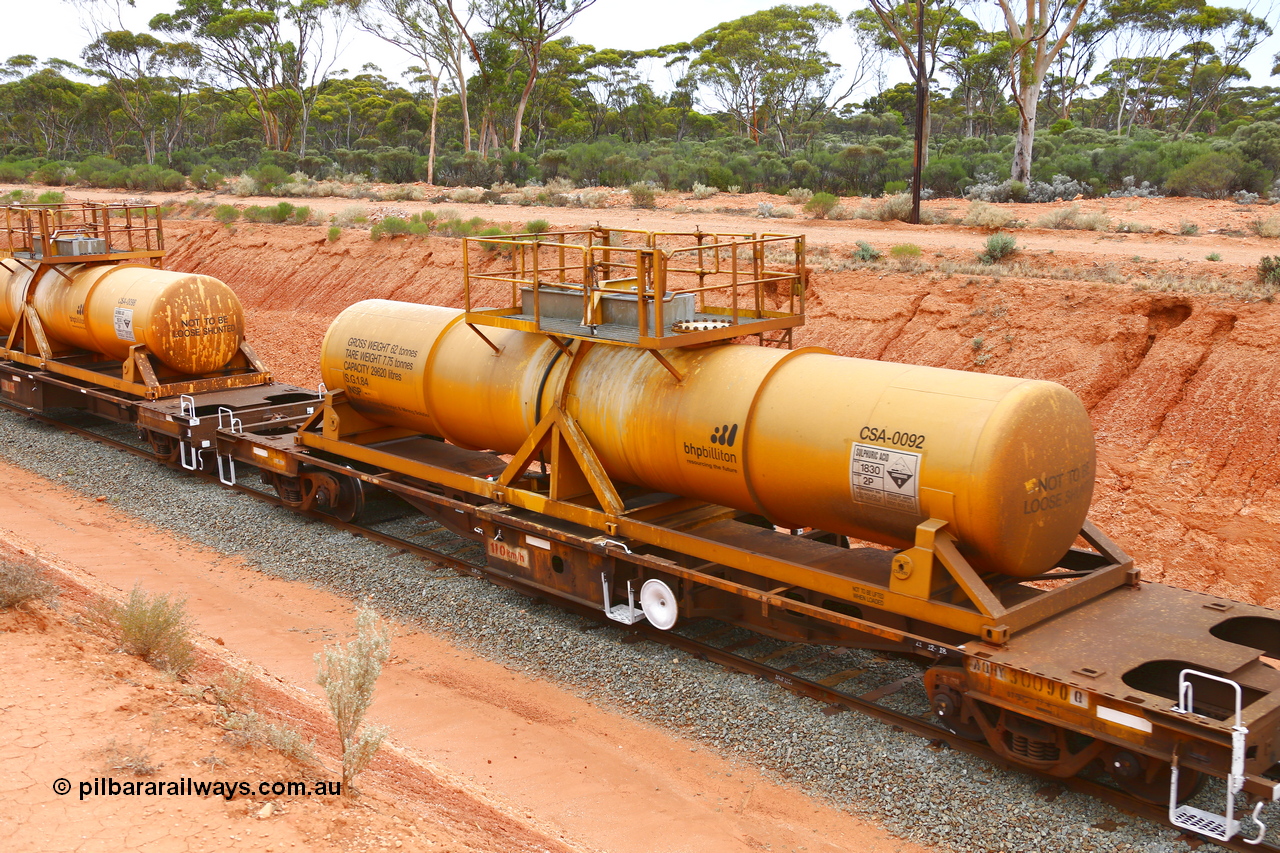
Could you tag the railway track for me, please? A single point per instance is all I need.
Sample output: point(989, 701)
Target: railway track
point(878, 685)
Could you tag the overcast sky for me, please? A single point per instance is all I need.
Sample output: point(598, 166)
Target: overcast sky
point(625, 24)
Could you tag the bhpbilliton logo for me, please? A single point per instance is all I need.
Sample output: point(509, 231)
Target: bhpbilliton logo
point(724, 436)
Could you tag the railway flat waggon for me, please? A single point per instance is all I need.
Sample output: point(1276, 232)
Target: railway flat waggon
point(620, 419)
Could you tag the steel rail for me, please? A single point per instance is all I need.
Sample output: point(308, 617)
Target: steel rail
point(836, 700)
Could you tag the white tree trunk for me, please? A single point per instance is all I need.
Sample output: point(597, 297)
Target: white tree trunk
point(1028, 102)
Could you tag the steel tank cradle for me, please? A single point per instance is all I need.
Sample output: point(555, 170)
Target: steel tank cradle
point(806, 438)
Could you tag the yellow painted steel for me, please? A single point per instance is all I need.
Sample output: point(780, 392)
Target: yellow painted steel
point(806, 438)
point(193, 323)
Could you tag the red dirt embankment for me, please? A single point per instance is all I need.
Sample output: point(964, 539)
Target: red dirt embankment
point(1182, 388)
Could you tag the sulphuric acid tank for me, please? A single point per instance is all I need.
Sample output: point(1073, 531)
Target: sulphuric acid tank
point(806, 438)
point(193, 323)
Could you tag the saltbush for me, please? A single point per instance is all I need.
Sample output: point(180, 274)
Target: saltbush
point(999, 246)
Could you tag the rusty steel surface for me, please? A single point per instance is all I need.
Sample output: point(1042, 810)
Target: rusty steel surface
point(805, 438)
point(192, 323)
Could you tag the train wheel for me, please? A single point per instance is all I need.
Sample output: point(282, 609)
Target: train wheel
point(948, 712)
point(332, 494)
point(1148, 778)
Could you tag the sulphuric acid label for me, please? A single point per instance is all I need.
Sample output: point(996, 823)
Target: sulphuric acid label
point(887, 478)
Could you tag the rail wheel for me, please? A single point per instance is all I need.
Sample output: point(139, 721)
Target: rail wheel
point(948, 712)
point(332, 494)
point(1148, 778)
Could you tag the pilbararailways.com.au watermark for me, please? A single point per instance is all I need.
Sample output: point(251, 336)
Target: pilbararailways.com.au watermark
point(105, 786)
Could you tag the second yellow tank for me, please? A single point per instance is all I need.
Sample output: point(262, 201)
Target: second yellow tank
point(806, 438)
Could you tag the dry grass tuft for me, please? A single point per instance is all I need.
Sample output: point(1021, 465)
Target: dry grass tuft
point(1070, 218)
point(22, 581)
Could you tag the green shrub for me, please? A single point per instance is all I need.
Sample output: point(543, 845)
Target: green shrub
point(150, 179)
point(334, 233)
point(206, 177)
point(1216, 174)
point(1188, 229)
point(1269, 270)
point(391, 226)
point(455, 227)
point(821, 205)
point(301, 215)
point(16, 173)
point(643, 196)
point(269, 177)
point(866, 252)
point(226, 213)
point(493, 246)
point(51, 197)
point(275, 214)
point(999, 246)
point(1213, 256)
point(537, 226)
point(155, 628)
point(895, 187)
point(905, 252)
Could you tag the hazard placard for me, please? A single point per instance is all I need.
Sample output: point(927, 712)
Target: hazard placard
point(884, 477)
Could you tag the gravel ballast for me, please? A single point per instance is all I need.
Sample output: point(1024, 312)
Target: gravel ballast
point(930, 795)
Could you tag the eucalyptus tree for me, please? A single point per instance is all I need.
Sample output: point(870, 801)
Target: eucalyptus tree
point(428, 31)
point(768, 71)
point(281, 51)
point(1221, 38)
point(892, 26)
point(153, 81)
point(1038, 31)
point(529, 25)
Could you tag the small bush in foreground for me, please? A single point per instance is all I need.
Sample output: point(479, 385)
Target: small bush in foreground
point(643, 196)
point(821, 205)
point(334, 233)
point(350, 217)
point(348, 675)
point(226, 213)
point(800, 195)
point(21, 582)
point(537, 226)
point(155, 628)
point(250, 727)
point(51, 197)
point(905, 252)
point(867, 252)
point(999, 246)
point(391, 226)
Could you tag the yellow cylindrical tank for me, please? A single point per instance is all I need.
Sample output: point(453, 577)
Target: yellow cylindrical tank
point(191, 322)
point(806, 438)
